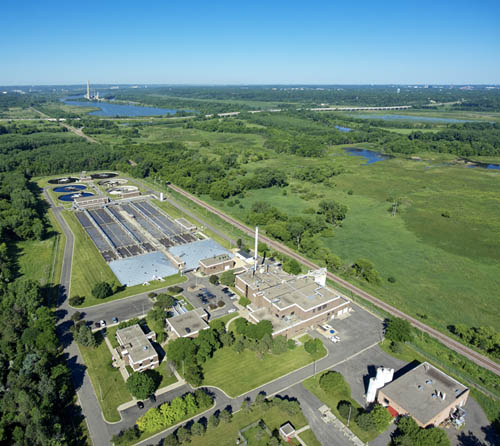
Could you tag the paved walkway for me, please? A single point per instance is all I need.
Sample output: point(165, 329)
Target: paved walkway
point(119, 361)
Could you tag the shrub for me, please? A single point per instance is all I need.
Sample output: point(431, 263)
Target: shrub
point(102, 290)
point(365, 421)
point(395, 347)
point(344, 407)
point(152, 295)
point(220, 304)
point(391, 279)
point(175, 289)
point(291, 344)
point(312, 346)
point(398, 330)
point(214, 279)
point(75, 301)
point(333, 382)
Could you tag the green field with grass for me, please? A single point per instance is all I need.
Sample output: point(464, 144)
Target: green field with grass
point(249, 372)
point(436, 261)
point(107, 381)
point(225, 434)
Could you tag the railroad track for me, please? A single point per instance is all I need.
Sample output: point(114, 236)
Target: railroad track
point(474, 356)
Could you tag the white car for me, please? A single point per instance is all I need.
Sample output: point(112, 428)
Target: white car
point(103, 324)
point(328, 327)
point(334, 339)
point(232, 310)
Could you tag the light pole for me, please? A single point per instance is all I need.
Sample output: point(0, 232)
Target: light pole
point(349, 417)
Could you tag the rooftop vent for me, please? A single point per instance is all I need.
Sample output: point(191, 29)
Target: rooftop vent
point(145, 347)
point(420, 387)
point(428, 381)
point(434, 396)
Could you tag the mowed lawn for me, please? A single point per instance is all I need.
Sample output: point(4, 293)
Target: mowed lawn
point(89, 268)
point(238, 373)
point(107, 381)
point(226, 433)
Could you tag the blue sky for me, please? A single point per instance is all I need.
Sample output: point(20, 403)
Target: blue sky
point(236, 42)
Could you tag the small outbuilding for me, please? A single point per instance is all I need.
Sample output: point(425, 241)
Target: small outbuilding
point(287, 431)
point(216, 264)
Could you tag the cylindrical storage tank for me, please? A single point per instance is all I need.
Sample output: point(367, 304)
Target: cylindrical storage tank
point(372, 391)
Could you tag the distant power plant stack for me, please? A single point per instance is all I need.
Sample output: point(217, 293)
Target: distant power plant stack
point(89, 96)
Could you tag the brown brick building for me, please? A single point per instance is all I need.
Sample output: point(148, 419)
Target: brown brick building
point(216, 264)
point(425, 393)
point(136, 348)
point(292, 303)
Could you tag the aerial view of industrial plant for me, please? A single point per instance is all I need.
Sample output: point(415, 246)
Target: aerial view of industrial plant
point(250, 223)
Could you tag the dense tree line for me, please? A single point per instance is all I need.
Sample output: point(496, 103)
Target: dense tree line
point(213, 99)
point(20, 217)
point(486, 339)
point(36, 393)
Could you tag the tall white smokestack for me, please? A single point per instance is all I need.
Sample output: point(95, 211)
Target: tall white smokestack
point(256, 247)
point(88, 90)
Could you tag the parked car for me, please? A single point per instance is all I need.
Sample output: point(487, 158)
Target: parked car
point(102, 323)
point(115, 320)
point(328, 327)
point(231, 310)
point(334, 339)
point(140, 404)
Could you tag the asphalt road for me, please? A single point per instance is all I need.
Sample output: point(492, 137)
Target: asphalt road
point(140, 304)
point(91, 409)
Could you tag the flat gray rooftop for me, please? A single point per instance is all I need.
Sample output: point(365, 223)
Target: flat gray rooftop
point(143, 268)
point(416, 391)
point(192, 253)
point(188, 323)
point(215, 260)
point(284, 289)
point(136, 343)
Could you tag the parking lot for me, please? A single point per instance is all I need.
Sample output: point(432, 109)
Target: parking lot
point(202, 294)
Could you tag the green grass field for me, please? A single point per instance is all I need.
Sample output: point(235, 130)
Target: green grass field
point(249, 372)
point(107, 381)
point(436, 261)
point(309, 438)
point(226, 433)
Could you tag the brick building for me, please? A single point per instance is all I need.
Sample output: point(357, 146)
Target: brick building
point(216, 264)
point(292, 303)
point(425, 393)
point(136, 349)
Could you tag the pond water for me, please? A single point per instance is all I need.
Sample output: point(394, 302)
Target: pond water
point(71, 197)
point(112, 110)
point(343, 129)
point(370, 156)
point(485, 166)
point(408, 118)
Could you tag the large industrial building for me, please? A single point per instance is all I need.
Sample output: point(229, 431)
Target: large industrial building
point(293, 304)
point(425, 393)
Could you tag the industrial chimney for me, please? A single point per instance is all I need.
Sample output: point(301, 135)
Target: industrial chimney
point(256, 248)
